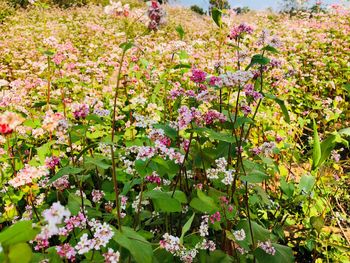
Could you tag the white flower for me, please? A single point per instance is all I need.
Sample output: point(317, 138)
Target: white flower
point(103, 233)
point(111, 256)
point(204, 227)
point(55, 216)
point(267, 247)
point(239, 235)
point(3, 82)
point(84, 245)
point(228, 179)
point(170, 243)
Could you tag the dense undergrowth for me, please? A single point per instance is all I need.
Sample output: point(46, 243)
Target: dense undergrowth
point(152, 134)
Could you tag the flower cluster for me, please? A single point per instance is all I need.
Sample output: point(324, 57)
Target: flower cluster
point(239, 235)
point(267, 247)
point(9, 121)
point(111, 257)
point(198, 76)
point(156, 14)
point(237, 32)
point(28, 175)
point(80, 111)
point(52, 162)
point(117, 9)
point(154, 178)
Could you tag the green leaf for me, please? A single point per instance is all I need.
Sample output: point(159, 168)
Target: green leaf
point(180, 31)
point(180, 196)
point(74, 203)
point(138, 246)
point(20, 232)
point(260, 233)
point(213, 135)
point(95, 118)
point(254, 177)
point(93, 145)
point(316, 152)
point(179, 66)
point(20, 252)
point(329, 144)
point(203, 203)
point(218, 256)
point(186, 227)
point(164, 202)
point(306, 183)
point(169, 131)
point(281, 104)
point(284, 109)
point(98, 162)
point(287, 188)
point(242, 120)
point(44, 151)
point(347, 88)
point(317, 222)
point(258, 60)
point(142, 168)
point(283, 254)
point(270, 49)
point(126, 46)
point(68, 170)
point(53, 256)
point(345, 131)
point(216, 14)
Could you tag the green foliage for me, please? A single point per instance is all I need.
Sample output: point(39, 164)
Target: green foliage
point(139, 247)
point(197, 9)
point(5, 11)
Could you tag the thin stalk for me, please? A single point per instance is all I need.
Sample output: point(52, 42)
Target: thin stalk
point(114, 175)
point(48, 83)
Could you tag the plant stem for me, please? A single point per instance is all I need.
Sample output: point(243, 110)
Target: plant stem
point(114, 175)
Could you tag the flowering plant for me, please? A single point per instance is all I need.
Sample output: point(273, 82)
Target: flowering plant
point(124, 138)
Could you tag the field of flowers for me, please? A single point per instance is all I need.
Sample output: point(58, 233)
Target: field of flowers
point(146, 133)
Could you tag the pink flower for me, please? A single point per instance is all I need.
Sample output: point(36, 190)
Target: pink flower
point(216, 217)
point(52, 162)
point(66, 251)
point(154, 178)
point(80, 111)
point(246, 110)
point(198, 75)
point(215, 81)
point(9, 121)
point(156, 14)
point(97, 195)
point(111, 256)
point(267, 247)
point(238, 31)
point(212, 116)
point(170, 243)
point(28, 175)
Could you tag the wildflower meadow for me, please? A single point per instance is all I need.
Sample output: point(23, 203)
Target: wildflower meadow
point(141, 132)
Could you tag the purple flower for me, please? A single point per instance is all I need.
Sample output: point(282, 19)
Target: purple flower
point(215, 81)
point(176, 92)
point(198, 75)
point(238, 31)
point(212, 116)
point(256, 150)
point(156, 14)
point(52, 162)
point(246, 110)
point(154, 178)
point(275, 63)
point(80, 111)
